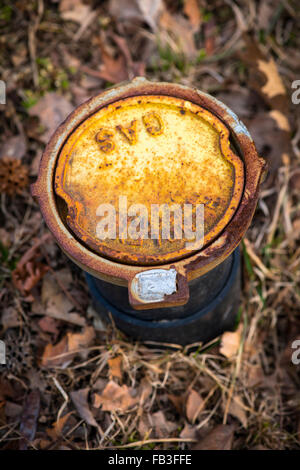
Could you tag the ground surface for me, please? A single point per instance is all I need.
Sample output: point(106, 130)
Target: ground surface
point(70, 385)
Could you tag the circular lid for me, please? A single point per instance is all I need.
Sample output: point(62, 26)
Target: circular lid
point(143, 160)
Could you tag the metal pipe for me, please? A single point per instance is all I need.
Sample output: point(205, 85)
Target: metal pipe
point(136, 148)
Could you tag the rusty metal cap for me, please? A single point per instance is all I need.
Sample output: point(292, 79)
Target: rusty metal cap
point(147, 145)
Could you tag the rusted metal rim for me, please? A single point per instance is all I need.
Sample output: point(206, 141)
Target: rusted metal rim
point(84, 170)
point(190, 267)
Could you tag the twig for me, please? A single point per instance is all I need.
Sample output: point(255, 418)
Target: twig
point(65, 396)
point(152, 441)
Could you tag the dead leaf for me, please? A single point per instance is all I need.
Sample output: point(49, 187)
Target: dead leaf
point(192, 11)
point(162, 427)
point(81, 340)
point(271, 140)
point(10, 318)
point(243, 101)
point(29, 271)
point(133, 68)
point(74, 10)
point(5, 238)
point(50, 352)
point(155, 425)
point(265, 14)
point(210, 33)
point(230, 342)
point(144, 428)
point(68, 344)
point(254, 375)
point(57, 428)
point(144, 391)
point(178, 401)
point(237, 409)
point(117, 68)
point(176, 32)
point(49, 325)
point(12, 410)
point(115, 365)
point(112, 69)
point(274, 84)
point(188, 432)
point(134, 11)
point(14, 147)
point(115, 398)
point(55, 303)
point(281, 120)
point(194, 405)
point(80, 400)
point(52, 109)
point(219, 438)
point(264, 77)
point(150, 10)
point(29, 417)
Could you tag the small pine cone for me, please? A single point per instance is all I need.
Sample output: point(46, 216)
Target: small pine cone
point(13, 176)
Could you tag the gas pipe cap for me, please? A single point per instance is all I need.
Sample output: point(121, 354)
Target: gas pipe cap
point(129, 170)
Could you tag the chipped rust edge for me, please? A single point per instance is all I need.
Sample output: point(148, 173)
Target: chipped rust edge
point(193, 266)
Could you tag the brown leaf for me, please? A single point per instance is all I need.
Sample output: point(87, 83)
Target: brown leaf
point(219, 438)
point(237, 409)
point(162, 427)
point(188, 432)
point(230, 342)
point(254, 375)
point(29, 417)
point(69, 343)
point(12, 410)
point(5, 238)
point(210, 33)
point(178, 401)
point(179, 29)
point(29, 271)
point(10, 318)
point(56, 430)
point(115, 365)
point(192, 11)
point(135, 11)
point(150, 10)
point(194, 405)
point(264, 77)
point(52, 110)
point(112, 69)
point(14, 147)
point(115, 398)
point(155, 425)
point(74, 10)
point(50, 352)
point(265, 14)
point(81, 340)
point(49, 325)
point(274, 84)
point(55, 302)
point(272, 139)
point(80, 400)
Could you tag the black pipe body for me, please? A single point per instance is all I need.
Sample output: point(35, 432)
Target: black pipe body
point(212, 308)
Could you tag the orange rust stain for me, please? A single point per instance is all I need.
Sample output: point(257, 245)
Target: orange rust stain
point(152, 150)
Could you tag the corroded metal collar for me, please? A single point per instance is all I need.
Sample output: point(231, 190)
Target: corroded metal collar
point(154, 143)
